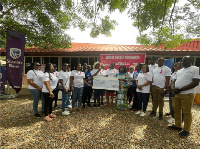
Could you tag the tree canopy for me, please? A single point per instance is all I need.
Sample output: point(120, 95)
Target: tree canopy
point(44, 22)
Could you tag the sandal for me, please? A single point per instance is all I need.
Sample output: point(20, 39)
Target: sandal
point(73, 110)
point(52, 115)
point(47, 118)
point(112, 104)
point(79, 109)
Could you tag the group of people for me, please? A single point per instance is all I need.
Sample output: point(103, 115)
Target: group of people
point(154, 79)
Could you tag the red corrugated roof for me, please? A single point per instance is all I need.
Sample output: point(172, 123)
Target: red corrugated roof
point(90, 47)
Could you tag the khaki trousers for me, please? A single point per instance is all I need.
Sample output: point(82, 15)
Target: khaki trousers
point(157, 98)
point(183, 101)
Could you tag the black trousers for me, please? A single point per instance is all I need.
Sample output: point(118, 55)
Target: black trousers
point(135, 100)
point(56, 95)
point(129, 94)
point(47, 104)
point(86, 95)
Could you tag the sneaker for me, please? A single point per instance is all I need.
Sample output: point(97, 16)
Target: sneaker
point(138, 112)
point(174, 127)
point(183, 133)
point(47, 118)
point(160, 117)
point(152, 114)
point(37, 115)
point(98, 106)
point(69, 106)
point(171, 120)
point(66, 113)
point(143, 114)
point(52, 115)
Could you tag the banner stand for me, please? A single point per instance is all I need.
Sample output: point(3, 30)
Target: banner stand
point(8, 94)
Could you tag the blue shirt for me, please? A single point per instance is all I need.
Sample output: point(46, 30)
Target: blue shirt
point(88, 75)
point(135, 74)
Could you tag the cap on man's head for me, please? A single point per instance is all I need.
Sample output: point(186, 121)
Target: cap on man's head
point(154, 58)
point(54, 65)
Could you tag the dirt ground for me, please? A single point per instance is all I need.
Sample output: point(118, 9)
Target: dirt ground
point(92, 128)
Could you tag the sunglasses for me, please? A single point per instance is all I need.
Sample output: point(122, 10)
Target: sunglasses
point(37, 65)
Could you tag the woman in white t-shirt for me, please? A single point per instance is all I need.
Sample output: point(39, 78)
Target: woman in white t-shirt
point(48, 89)
point(77, 80)
point(143, 82)
point(97, 71)
point(35, 81)
point(111, 72)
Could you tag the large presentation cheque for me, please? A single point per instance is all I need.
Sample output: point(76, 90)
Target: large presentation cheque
point(107, 83)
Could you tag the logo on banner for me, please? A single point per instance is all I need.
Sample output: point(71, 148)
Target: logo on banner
point(15, 53)
point(0, 75)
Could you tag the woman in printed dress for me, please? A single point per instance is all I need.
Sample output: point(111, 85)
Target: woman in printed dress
point(123, 77)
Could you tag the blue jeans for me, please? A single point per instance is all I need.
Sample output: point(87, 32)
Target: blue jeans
point(97, 93)
point(170, 105)
point(77, 95)
point(36, 95)
point(142, 99)
point(65, 100)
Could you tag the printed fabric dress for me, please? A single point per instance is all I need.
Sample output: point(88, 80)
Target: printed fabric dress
point(122, 102)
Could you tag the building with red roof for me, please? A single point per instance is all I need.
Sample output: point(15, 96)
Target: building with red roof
point(89, 53)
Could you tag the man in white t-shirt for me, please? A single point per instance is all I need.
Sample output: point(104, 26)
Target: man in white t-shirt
point(185, 82)
point(64, 79)
point(153, 64)
point(161, 77)
point(70, 93)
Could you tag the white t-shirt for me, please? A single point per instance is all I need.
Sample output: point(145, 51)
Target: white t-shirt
point(69, 73)
point(173, 76)
point(131, 77)
point(185, 76)
point(98, 74)
point(53, 80)
point(56, 73)
point(152, 67)
point(159, 74)
point(111, 72)
point(78, 78)
point(37, 77)
point(103, 72)
point(65, 77)
point(143, 78)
